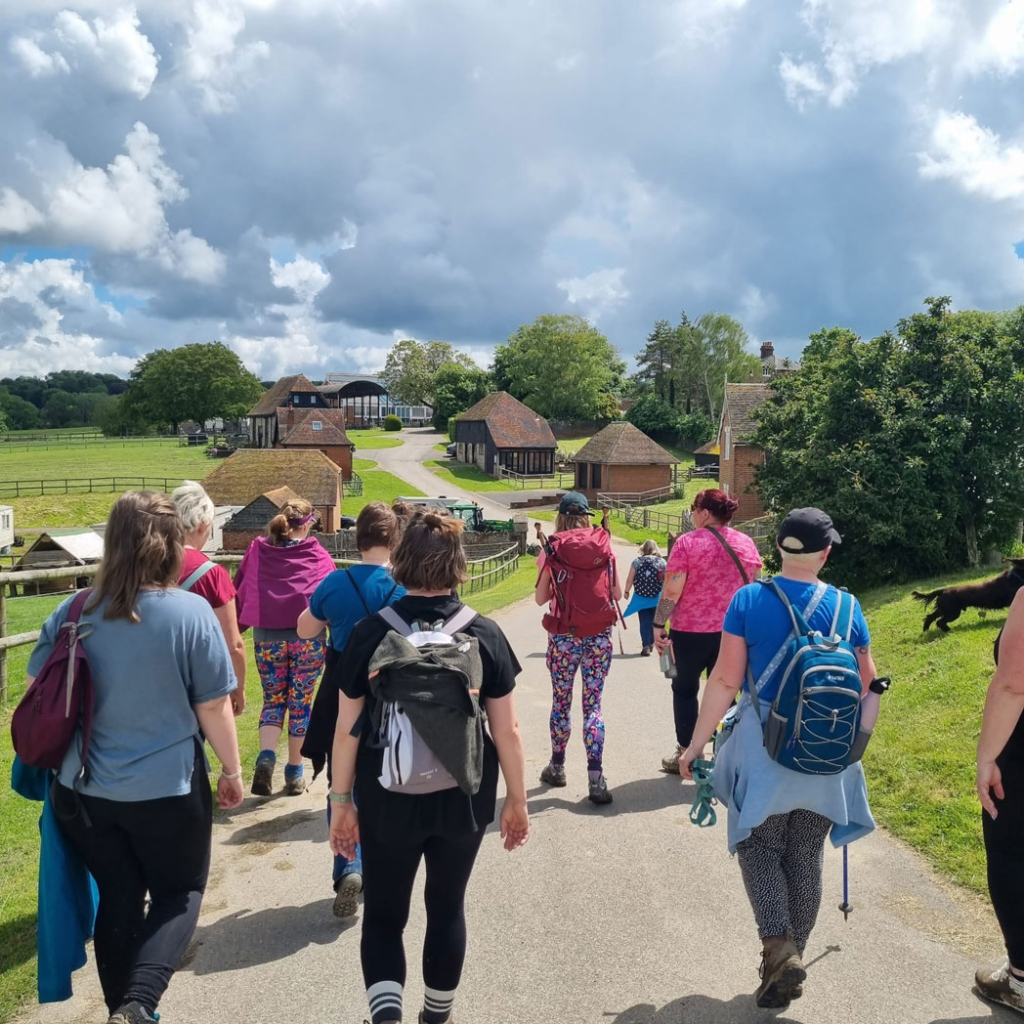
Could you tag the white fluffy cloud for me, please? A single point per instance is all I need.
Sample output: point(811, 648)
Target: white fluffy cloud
point(17, 215)
point(598, 293)
point(113, 50)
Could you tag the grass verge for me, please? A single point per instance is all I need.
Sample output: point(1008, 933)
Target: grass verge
point(473, 479)
point(364, 439)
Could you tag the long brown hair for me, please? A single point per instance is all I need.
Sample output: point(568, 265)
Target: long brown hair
point(564, 521)
point(430, 555)
point(143, 545)
point(290, 517)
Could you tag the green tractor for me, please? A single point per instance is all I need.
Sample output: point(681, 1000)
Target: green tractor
point(468, 511)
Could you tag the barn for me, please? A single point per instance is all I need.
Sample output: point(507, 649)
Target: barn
point(622, 460)
point(500, 432)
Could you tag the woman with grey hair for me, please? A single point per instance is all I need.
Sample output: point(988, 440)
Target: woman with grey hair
point(646, 575)
point(207, 579)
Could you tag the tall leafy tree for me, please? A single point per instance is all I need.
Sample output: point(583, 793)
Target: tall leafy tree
point(193, 382)
point(718, 350)
point(456, 388)
point(561, 366)
point(411, 367)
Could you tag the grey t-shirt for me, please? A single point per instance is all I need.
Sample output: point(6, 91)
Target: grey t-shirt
point(147, 676)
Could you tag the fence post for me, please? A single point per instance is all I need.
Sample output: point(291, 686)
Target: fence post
point(3, 653)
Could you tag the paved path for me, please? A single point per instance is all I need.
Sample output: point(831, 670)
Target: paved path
point(617, 915)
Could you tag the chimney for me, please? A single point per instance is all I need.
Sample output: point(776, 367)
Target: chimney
point(767, 350)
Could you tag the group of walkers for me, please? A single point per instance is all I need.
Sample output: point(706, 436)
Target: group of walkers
point(414, 719)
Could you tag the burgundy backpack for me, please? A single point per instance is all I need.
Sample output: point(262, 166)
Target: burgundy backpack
point(44, 723)
point(581, 562)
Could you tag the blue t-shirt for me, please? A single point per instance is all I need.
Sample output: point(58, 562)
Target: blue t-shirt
point(336, 602)
point(757, 615)
point(147, 677)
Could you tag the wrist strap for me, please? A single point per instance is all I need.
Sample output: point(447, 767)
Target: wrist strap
point(339, 798)
point(235, 775)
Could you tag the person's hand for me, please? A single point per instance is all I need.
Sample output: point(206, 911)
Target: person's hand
point(626, 593)
point(344, 830)
point(661, 639)
point(989, 780)
point(515, 824)
point(690, 754)
point(238, 701)
point(229, 793)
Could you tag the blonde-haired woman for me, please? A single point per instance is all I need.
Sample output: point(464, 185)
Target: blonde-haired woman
point(646, 575)
point(141, 819)
point(207, 579)
point(274, 583)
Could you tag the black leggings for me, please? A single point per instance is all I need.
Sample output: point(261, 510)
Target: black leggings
point(1004, 847)
point(389, 870)
point(157, 846)
point(696, 653)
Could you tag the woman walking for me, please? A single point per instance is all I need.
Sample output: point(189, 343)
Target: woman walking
point(585, 595)
point(705, 568)
point(142, 818)
point(338, 603)
point(1000, 784)
point(779, 818)
point(210, 581)
point(275, 580)
point(443, 828)
point(646, 575)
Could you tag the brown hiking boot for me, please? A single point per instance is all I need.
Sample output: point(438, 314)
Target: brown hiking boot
point(782, 973)
point(670, 764)
point(999, 987)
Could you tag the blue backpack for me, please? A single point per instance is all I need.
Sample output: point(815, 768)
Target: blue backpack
point(813, 726)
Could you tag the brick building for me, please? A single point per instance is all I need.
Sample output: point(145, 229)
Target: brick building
point(254, 479)
point(622, 459)
point(739, 459)
point(499, 431)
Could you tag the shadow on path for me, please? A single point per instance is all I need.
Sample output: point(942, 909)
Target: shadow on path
point(629, 798)
point(303, 825)
point(702, 1010)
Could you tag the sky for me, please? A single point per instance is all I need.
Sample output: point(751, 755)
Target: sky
point(310, 180)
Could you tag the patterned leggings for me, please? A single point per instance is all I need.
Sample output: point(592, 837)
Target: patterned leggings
point(781, 862)
point(592, 655)
point(288, 671)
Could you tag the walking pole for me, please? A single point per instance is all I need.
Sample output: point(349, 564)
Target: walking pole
point(611, 577)
point(845, 905)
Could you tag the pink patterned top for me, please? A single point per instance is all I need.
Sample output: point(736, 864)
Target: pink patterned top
point(711, 577)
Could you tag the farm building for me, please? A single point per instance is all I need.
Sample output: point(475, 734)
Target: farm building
point(58, 549)
point(252, 520)
point(739, 459)
point(253, 472)
point(499, 432)
point(295, 392)
point(707, 455)
point(622, 459)
point(365, 401)
point(6, 528)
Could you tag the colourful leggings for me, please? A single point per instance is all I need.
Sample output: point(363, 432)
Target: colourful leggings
point(288, 671)
point(592, 655)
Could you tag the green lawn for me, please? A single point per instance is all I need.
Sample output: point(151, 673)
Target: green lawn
point(54, 510)
point(378, 485)
point(374, 438)
point(571, 445)
point(101, 459)
point(474, 479)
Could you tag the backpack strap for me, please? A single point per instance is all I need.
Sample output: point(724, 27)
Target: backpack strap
point(395, 621)
point(355, 587)
point(196, 575)
point(459, 621)
point(732, 554)
point(800, 626)
point(77, 604)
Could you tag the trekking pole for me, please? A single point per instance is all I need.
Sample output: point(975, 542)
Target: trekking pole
point(611, 578)
point(845, 905)
point(550, 552)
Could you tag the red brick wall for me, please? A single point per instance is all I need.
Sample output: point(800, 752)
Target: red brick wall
point(341, 456)
point(745, 461)
point(631, 479)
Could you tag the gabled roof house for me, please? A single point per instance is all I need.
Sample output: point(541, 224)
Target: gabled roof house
point(622, 459)
point(500, 432)
point(738, 458)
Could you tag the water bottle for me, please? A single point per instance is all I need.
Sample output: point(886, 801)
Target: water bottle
point(668, 663)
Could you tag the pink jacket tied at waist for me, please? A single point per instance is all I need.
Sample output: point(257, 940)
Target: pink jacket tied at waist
point(274, 582)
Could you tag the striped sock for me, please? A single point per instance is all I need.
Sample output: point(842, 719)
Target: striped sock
point(437, 1006)
point(385, 999)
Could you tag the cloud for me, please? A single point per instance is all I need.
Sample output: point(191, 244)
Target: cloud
point(112, 50)
point(17, 215)
point(597, 293)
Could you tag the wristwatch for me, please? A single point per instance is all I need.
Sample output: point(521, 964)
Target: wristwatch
point(339, 798)
point(880, 684)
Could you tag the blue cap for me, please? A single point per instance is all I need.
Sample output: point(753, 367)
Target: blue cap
point(574, 504)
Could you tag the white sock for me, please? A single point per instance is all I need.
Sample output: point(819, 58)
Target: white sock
point(1016, 982)
point(385, 999)
point(438, 1004)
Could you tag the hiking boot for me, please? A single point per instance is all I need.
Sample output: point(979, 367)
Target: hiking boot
point(553, 775)
point(782, 973)
point(263, 777)
point(646, 652)
point(131, 1013)
point(670, 764)
point(422, 1019)
point(346, 900)
point(295, 785)
point(999, 986)
point(599, 792)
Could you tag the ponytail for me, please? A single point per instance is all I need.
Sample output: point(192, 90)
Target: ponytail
point(293, 514)
point(278, 529)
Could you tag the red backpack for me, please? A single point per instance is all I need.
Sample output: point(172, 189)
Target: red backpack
point(581, 563)
point(44, 724)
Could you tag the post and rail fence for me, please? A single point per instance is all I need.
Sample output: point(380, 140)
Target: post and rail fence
point(557, 480)
point(483, 574)
point(90, 485)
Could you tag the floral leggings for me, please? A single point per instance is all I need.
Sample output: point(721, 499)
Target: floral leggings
point(288, 671)
point(592, 655)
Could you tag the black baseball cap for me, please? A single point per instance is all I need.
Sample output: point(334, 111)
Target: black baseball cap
point(807, 530)
point(574, 504)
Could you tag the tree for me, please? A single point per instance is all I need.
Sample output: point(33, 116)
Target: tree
point(719, 346)
point(19, 413)
point(411, 367)
point(560, 366)
point(913, 442)
point(194, 382)
point(456, 389)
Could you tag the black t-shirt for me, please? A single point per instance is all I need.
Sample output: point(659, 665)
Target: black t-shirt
point(449, 812)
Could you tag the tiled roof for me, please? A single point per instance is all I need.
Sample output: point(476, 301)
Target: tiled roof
point(251, 472)
point(280, 496)
point(711, 448)
point(511, 424)
point(741, 400)
point(277, 396)
point(295, 427)
point(622, 444)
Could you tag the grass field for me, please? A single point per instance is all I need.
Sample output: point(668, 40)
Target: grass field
point(157, 459)
point(473, 479)
point(375, 438)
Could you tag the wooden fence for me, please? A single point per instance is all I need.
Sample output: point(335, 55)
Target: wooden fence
point(537, 481)
point(15, 446)
point(353, 487)
point(91, 485)
point(483, 574)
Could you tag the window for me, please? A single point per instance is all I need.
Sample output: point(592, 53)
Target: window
point(318, 425)
point(727, 447)
point(312, 399)
point(581, 476)
point(595, 475)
